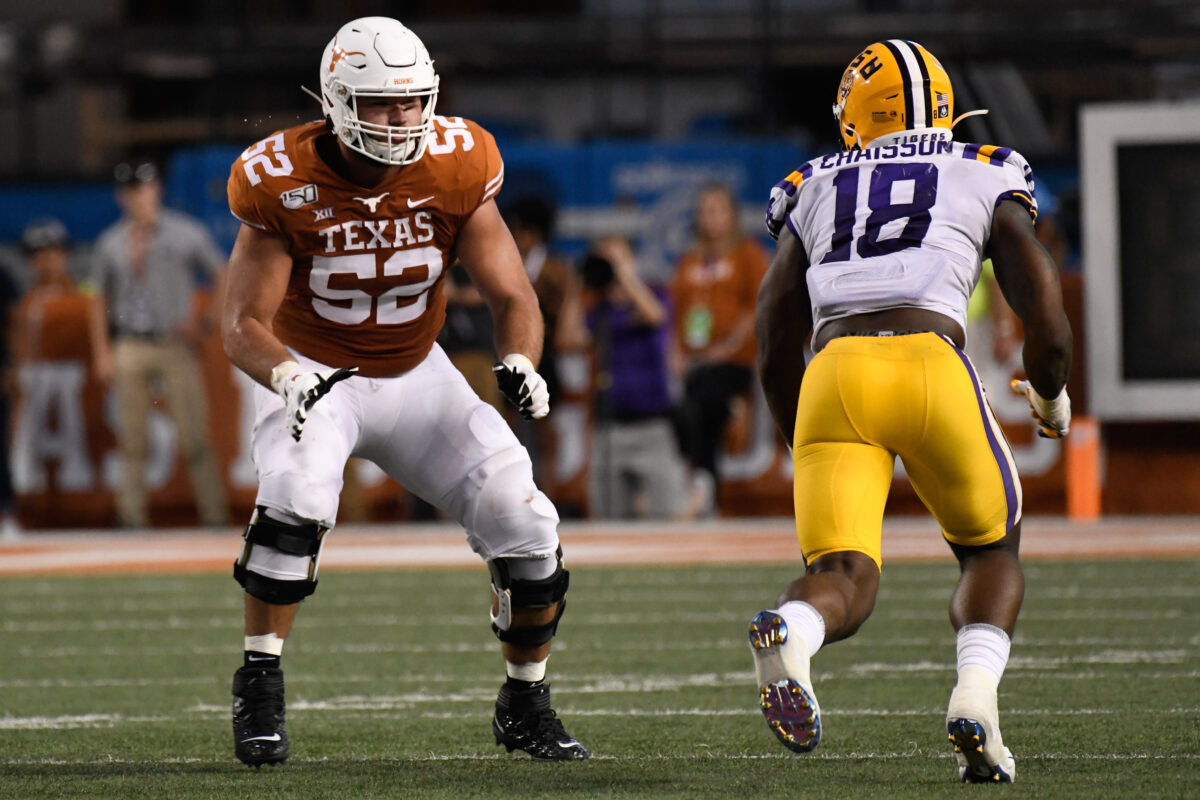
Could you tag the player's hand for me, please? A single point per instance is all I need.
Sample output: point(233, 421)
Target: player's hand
point(522, 385)
point(300, 390)
point(1053, 416)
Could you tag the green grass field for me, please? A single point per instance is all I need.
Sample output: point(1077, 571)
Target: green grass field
point(119, 688)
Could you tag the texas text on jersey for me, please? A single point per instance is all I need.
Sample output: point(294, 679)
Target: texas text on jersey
point(365, 287)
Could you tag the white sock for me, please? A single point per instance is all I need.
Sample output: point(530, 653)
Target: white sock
point(527, 672)
point(805, 621)
point(266, 643)
point(982, 655)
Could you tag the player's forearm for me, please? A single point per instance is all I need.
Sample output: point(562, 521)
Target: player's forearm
point(253, 348)
point(1036, 296)
point(782, 323)
point(781, 386)
point(518, 329)
point(780, 368)
point(1047, 352)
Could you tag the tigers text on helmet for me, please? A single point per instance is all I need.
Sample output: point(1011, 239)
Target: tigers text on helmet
point(378, 57)
point(892, 86)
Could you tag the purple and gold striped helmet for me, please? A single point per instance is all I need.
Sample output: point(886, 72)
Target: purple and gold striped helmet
point(892, 86)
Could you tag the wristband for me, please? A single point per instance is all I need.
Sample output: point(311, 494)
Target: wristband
point(1050, 409)
point(518, 361)
point(282, 371)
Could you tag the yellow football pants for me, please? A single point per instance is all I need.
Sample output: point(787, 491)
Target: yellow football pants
point(866, 400)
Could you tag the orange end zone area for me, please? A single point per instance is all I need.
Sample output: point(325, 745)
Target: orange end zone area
point(741, 541)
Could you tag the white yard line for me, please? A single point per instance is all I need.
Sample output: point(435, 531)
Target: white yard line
point(568, 683)
point(380, 708)
point(704, 755)
point(323, 619)
point(562, 646)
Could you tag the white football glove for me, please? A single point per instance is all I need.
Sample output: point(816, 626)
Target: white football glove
point(300, 390)
point(522, 385)
point(1053, 416)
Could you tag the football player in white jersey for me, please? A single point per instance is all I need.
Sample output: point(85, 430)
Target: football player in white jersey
point(879, 248)
point(334, 305)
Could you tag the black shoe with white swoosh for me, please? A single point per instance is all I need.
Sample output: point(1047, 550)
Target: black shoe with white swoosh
point(258, 733)
point(525, 721)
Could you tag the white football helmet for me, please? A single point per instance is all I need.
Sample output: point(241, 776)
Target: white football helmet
point(378, 57)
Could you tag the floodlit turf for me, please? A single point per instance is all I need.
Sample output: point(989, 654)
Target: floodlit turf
point(119, 688)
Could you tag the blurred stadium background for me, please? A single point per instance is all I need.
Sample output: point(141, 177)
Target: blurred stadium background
point(114, 683)
point(616, 110)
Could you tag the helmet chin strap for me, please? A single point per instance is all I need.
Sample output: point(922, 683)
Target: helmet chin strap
point(961, 117)
point(857, 137)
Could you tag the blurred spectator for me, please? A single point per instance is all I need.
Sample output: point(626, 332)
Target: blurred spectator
point(48, 327)
point(145, 277)
point(531, 221)
point(714, 288)
point(635, 469)
point(38, 236)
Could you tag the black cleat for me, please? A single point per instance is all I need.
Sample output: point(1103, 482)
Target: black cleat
point(525, 721)
point(258, 733)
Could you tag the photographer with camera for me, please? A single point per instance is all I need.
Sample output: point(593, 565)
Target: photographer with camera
point(635, 469)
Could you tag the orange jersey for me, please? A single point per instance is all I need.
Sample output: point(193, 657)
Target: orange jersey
point(711, 296)
point(367, 264)
point(52, 324)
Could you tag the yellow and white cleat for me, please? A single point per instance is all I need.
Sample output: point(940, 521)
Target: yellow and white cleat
point(785, 689)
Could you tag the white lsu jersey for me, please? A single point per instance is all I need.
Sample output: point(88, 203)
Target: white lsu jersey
point(902, 223)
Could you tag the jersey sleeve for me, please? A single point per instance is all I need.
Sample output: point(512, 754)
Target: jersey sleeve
point(1014, 180)
point(490, 166)
point(782, 199)
point(254, 194)
point(244, 202)
point(466, 162)
point(1020, 174)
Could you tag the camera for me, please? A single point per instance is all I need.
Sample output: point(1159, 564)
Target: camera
point(597, 271)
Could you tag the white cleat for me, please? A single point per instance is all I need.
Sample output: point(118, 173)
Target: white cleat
point(972, 723)
point(785, 689)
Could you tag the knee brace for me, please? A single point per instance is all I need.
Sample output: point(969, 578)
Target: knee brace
point(267, 568)
point(517, 593)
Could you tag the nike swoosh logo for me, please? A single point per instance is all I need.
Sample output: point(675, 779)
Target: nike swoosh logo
point(414, 203)
point(252, 658)
point(274, 737)
point(568, 745)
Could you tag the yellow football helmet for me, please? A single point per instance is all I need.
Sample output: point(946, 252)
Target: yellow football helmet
point(892, 86)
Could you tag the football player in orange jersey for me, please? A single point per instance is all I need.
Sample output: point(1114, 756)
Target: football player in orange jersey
point(334, 304)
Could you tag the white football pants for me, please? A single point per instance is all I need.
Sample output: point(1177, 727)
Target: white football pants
point(426, 429)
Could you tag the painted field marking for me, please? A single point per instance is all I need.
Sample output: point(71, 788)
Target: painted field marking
point(645, 757)
point(582, 683)
point(380, 710)
point(488, 646)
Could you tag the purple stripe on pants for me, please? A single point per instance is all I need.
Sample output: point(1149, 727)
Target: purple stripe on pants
point(1010, 485)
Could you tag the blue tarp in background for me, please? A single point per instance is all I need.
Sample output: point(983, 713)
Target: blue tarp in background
point(644, 190)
